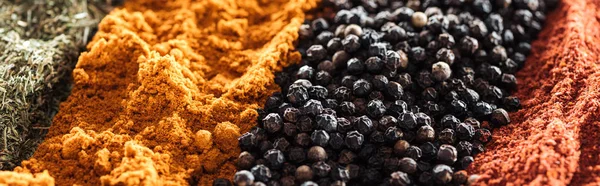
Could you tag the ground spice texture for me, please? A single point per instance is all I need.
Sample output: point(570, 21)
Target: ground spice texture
point(554, 138)
point(166, 89)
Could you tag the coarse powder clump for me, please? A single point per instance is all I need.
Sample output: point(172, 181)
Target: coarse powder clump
point(554, 140)
point(166, 89)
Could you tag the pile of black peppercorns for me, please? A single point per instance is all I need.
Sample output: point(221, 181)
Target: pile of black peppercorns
point(392, 93)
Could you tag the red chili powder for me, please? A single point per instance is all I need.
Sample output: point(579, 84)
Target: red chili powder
point(554, 139)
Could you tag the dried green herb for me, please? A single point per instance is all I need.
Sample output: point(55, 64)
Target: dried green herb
point(40, 41)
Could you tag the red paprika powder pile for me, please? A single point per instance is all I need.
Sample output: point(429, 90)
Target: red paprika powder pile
point(554, 139)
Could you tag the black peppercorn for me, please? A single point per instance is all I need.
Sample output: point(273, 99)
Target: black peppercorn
point(447, 136)
point(408, 165)
point(303, 139)
point(466, 161)
point(245, 161)
point(316, 53)
point(321, 169)
point(261, 173)
point(464, 148)
point(500, 117)
point(304, 173)
point(413, 152)
point(375, 109)
point(442, 174)
point(351, 43)
point(281, 144)
point(447, 154)
point(361, 88)
point(425, 134)
point(336, 140)
point(243, 177)
point(272, 122)
point(364, 125)
point(317, 153)
point(320, 137)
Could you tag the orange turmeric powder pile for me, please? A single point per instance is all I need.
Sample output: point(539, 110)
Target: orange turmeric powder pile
point(165, 90)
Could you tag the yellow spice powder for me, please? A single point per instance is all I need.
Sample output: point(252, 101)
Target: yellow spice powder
point(165, 90)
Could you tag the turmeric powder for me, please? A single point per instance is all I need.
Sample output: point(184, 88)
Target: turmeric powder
point(165, 90)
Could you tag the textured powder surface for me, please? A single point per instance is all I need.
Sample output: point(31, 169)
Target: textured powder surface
point(165, 90)
point(553, 140)
point(23, 179)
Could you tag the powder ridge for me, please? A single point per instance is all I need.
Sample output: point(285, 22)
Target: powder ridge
point(554, 138)
point(165, 90)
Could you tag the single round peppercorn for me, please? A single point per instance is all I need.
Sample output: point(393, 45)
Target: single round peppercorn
point(320, 137)
point(304, 173)
point(500, 117)
point(317, 92)
point(466, 161)
point(341, 175)
point(296, 154)
point(317, 153)
point(281, 144)
point(464, 148)
point(354, 140)
point(399, 178)
point(445, 55)
point(442, 174)
point(272, 122)
point(321, 169)
point(361, 88)
point(375, 109)
point(447, 136)
point(297, 94)
point(441, 71)
point(355, 66)
point(469, 45)
point(243, 178)
point(408, 120)
point(446, 40)
point(327, 122)
point(429, 151)
point(447, 154)
point(245, 161)
point(408, 165)
point(274, 158)
point(316, 53)
point(393, 134)
point(351, 43)
point(395, 90)
point(336, 140)
point(419, 19)
point(413, 152)
point(464, 131)
point(374, 64)
point(364, 125)
point(425, 133)
point(261, 173)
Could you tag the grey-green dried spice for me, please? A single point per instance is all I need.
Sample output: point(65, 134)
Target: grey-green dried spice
point(40, 41)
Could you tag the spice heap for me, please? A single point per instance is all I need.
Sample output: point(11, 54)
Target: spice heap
point(554, 138)
point(392, 93)
point(39, 45)
point(165, 90)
